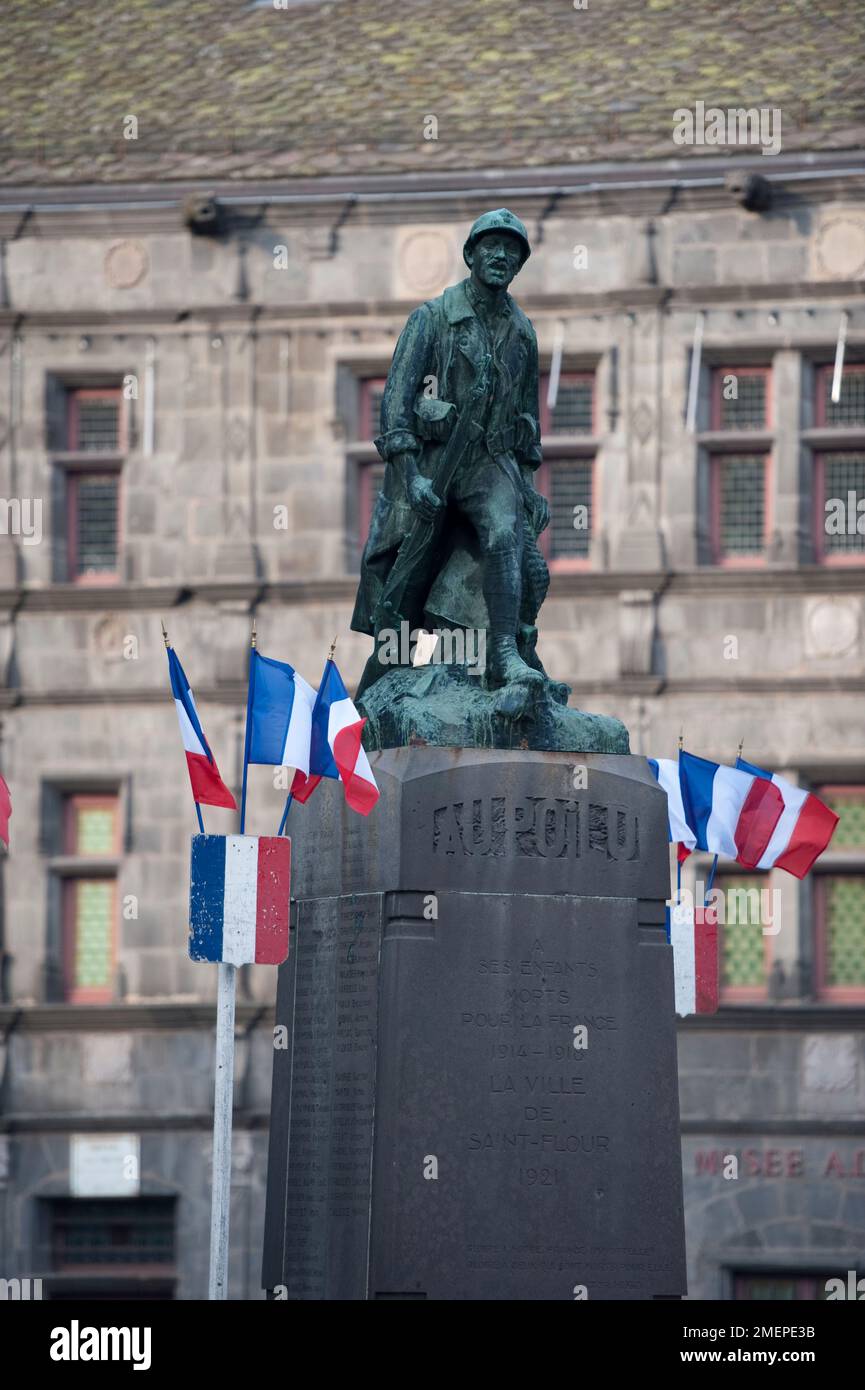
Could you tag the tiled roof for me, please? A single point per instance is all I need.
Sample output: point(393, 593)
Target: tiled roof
point(233, 88)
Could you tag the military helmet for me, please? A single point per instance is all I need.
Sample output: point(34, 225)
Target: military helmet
point(501, 220)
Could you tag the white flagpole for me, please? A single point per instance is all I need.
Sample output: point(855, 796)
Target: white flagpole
point(223, 1089)
point(222, 1107)
point(694, 379)
point(838, 371)
point(556, 365)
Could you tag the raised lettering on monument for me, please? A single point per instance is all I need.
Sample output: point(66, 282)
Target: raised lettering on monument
point(535, 827)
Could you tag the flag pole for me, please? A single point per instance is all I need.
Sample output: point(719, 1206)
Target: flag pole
point(223, 1087)
point(290, 798)
point(715, 860)
point(168, 649)
point(250, 695)
point(223, 1100)
point(678, 860)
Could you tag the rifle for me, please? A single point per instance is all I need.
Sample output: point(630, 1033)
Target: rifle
point(421, 535)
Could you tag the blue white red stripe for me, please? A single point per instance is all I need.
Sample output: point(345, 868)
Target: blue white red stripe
point(731, 812)
point(694, 938)
point(666, 770)
point(803, 831)
point(336, 749)
point(207, 785)
point(280, 714)
point(240, 888)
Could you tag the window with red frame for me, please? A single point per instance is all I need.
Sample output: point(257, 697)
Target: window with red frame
point(743, 948)
point(91, 835)
point(849, 410)
point(839, 487)
point(96, 424)
point(567, 483)
point(738, 501)
point(784, 1286)
point(574, 410)
point(369, 415)
point(93, 516)
point(839, 474)
point(370, 471)
point(740, 398)
point(839, 901)
point(738, 478)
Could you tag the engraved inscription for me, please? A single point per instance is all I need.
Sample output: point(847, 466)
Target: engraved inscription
point(330, 1136)
point(535, 827)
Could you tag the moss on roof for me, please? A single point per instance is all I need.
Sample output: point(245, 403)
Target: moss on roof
point(224, 87)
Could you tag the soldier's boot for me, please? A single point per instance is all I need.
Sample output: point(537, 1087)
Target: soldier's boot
point(526, 645)
point(502, 594)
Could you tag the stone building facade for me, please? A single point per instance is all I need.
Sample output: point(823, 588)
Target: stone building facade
point(187, 416)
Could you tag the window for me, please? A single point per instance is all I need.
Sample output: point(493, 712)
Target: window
point(740, 398)
point(96, 423)
point(568, 482)
point(568, 485)
point(371, 393)
point(839, 473)
point(366, 464)
point(108, 1247)
point(92, 500)
point(738, 465)
point(96, 439)
point(850, 408)
point(744, 949)
point(574, 410)
point(839, 901)
point(91, 844)
point(739, 522)
point(371, 482)
point(783, 1286)
point(839, 487)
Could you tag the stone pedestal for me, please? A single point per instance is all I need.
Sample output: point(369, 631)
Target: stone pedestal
point(477, 1096)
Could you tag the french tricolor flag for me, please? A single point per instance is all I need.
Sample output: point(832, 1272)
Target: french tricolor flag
point(731, 812)
point(666, 770)
point(207, 785)
point(803, 831)
point(239, 899)
point(280, 714)
point(336, 749)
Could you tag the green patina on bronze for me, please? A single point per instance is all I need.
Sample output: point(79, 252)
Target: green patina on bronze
point(453, 541)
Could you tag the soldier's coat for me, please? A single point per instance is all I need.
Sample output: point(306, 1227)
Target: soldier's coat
point(439, 353)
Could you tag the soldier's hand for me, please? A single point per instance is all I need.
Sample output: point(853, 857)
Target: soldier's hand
point(423, 499)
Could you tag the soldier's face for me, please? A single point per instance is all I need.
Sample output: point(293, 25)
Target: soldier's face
point(497, 258)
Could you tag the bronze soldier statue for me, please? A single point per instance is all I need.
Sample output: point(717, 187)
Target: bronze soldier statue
point(453, 538)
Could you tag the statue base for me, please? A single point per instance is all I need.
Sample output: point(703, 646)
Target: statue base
point(448, 707)
point(474, 1082)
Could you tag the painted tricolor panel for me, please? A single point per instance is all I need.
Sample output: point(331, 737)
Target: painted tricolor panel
point(694, 938)
point(239, 899)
